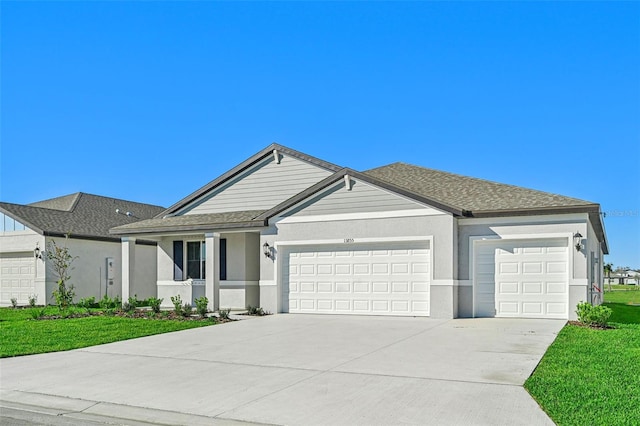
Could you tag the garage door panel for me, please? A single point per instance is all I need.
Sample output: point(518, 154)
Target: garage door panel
point(557, 308)
point(358, 280)
point(325, 287)
point(381, 287)
point(532, 308)
point(532, 288)
point(522, 279)
point(556, 267)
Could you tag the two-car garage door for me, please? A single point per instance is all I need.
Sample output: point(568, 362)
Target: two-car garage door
point(526, 279)
point(17, 272)
point(373, 279)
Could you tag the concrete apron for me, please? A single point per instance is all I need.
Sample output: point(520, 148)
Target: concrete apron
point(298, 369)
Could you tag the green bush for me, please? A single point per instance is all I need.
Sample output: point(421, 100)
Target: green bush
point(108, 303)
point(14, 302)
point(130, 304)
point(201, 305)
point(591, 315)
point(177, 304)
point(187, 310)
point(224, 314)
point(257, 311)
point(37, 313)
point(32, 300)
point(87, 302)
point(155, 303)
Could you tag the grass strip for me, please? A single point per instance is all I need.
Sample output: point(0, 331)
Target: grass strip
point(592, 377)
point(20, 335)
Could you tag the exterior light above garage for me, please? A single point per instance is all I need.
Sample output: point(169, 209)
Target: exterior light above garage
point(266, 249)
point(36, 252)
point(577, 238)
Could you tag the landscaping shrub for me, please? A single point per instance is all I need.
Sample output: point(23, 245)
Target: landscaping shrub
point(224, 314)
point(60, 260)
point(177, 303)
point(130, 304)
point(201, 306)
point(257, 311)
point(87, 302)
point(14, 302)
point(108, 303)
point(155, 303)
point(32, 300)
point(187, 310)
point(591, 315)
point(37, 313)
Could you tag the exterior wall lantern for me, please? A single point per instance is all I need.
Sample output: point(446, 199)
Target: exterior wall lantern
point(266, 250)
point(37, 253)
point(577, 239)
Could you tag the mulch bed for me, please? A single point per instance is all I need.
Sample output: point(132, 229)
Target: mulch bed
point(594, 326)
point(139, 314)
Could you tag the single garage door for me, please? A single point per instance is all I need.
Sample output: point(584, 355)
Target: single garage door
point(527, 279)
point(366, 279)
point(17, 273)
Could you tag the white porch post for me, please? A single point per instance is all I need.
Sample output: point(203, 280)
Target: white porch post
point(212, 273)
point(128, 266)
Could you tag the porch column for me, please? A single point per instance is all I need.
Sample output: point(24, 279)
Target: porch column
point(212, 272)
point(128, 266)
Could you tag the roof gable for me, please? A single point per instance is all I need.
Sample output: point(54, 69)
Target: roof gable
point(90, 216)
point(262, 181)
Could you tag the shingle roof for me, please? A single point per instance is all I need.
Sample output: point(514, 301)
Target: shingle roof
point(79, 214)
point(66, 202)
point(468, 193)
point(189, 222)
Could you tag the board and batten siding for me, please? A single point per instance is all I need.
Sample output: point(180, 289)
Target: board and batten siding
point(362, 198)
point(261, 187)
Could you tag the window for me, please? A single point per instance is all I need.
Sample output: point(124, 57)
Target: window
point(196, 259)
point(8, 224)
point(223, 259)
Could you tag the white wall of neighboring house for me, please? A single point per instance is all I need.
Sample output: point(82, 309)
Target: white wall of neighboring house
point(89, 273)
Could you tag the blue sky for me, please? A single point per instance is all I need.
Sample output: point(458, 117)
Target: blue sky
point(148, 101)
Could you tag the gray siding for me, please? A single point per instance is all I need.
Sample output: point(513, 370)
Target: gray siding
point(261, 187)
point(360, 199)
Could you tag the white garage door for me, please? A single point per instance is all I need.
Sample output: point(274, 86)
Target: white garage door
point(358, 279)
point(522, 279)
point(17, 273)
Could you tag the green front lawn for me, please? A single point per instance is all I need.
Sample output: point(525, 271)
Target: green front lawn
point(631, 295)
point(22, 335)
point(592, 377)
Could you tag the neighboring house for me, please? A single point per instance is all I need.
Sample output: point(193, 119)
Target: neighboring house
point(626, 277)
point(27, 230)
point(292, 233)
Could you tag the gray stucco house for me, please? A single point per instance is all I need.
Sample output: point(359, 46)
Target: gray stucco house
point(292, 233)
point(26, 230)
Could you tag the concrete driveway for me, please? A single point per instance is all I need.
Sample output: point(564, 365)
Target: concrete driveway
point(297, 369)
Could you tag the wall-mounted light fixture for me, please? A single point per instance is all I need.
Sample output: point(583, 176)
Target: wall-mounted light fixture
point(577, 239)
point(36, 252)
point(266, 250)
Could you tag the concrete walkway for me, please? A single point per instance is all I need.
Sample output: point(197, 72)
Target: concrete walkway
point(297, 369)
